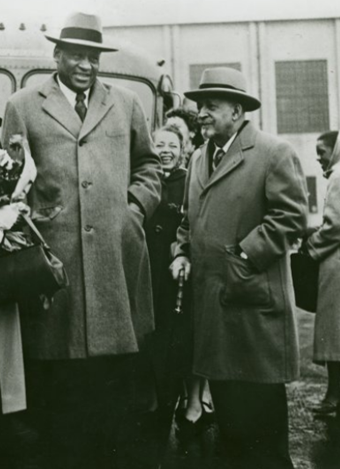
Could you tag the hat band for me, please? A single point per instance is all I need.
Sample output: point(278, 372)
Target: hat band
point(216, 85)
point(81, 33)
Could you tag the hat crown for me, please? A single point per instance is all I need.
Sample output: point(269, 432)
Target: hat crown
point(84, 21)
point(223, 77)
point(82, 29)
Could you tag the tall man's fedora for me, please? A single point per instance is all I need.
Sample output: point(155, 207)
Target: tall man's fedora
point(227, 83)
point(83, 30)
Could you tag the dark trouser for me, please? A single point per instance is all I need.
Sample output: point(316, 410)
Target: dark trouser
point(93, 413)
point(253, 423)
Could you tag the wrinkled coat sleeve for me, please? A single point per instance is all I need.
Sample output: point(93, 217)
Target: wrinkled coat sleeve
point(145, 186)
point(327, 238)
point(286, 217)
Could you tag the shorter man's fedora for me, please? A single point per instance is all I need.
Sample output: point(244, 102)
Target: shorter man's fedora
point(83, 30)
point(227, 83)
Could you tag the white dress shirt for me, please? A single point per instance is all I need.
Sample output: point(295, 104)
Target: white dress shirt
point(71, 95)
point(225, 148)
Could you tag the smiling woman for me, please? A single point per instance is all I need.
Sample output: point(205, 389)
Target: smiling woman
point(169, 144)
point(170, 343)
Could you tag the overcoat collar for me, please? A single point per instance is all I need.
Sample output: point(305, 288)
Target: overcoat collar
point(58, 107)
point(244, 140)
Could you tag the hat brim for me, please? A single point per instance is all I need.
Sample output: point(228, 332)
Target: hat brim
point(81, 42)
point(249, 103)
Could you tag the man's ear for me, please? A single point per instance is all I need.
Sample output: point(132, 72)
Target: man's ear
point(238, 111)
point(56, 54)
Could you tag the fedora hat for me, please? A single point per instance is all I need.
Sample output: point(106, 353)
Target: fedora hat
point(224, 82)
point(83, 30)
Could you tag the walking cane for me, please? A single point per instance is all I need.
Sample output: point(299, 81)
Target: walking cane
point(179, 298)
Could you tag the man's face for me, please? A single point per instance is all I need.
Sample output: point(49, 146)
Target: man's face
point(77, 66)
point(324, 153)
point(216, 117)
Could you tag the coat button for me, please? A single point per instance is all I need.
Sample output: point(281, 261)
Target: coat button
point(85, 184)
point(82, 142)
point(88, 228)
point(158, 228)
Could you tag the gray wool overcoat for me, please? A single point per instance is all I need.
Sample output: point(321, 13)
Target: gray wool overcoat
point(86, 174)
point(244, 326)
point(324, 247)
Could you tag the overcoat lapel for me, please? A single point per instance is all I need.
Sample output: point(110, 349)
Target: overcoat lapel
point(234, 157)
point(57, 106)
point(101, 101)
point(203, 167)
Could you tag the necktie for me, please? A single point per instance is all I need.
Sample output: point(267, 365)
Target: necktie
point(217, 157)
point(80, 106)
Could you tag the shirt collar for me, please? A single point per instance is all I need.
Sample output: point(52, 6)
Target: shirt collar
point(226, 147)
point(71, 95)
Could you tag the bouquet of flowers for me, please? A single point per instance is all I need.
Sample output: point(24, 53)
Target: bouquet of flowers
point(17, 174)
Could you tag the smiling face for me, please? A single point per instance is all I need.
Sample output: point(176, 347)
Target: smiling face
point(219, 119)
point(168, 148)
point(77, 66)
point(324, 153)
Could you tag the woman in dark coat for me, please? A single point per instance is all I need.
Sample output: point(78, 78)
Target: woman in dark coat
point(170, 341)
point(170, 344)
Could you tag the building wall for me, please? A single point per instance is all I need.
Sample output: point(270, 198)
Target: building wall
point(263, 51)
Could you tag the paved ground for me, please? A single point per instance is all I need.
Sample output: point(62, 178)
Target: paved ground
point(315, 444)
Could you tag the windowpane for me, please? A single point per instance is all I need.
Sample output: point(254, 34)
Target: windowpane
point(302, 96)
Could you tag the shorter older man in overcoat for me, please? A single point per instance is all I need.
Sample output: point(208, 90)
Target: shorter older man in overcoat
point(245, 204)
point(98, 180)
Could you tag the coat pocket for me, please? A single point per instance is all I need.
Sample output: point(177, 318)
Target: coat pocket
point(243, 283)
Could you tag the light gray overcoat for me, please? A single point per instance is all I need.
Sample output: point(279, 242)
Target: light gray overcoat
point(244, 326)
point(324, 246)
point(86, 172)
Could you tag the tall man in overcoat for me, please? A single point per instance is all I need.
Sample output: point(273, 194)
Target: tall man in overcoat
point(245, 204)
point(98, 180)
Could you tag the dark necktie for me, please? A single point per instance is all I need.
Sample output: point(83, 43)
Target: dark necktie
point(217, 157)
point(80, 106)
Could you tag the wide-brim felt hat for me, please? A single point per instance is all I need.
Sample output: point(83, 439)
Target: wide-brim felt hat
point(83, 30)
point(225, 83)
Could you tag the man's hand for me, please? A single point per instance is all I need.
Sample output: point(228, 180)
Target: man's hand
point(178, 264)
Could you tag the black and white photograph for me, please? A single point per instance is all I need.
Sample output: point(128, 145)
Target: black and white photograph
point(170, 234)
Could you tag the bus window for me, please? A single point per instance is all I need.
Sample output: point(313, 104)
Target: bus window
point(7, 87)
point(35, 77)
point(143, 89)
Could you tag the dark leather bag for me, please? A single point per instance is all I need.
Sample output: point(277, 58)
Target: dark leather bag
point(32, 271)
point(305, 273)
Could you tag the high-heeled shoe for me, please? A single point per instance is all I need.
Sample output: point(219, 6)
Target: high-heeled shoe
point(208, 413)
point(181, 407)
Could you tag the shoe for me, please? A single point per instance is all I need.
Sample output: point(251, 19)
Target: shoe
point(181, 408)
point(186, 430)
point(208, 413)
point(325, 408)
